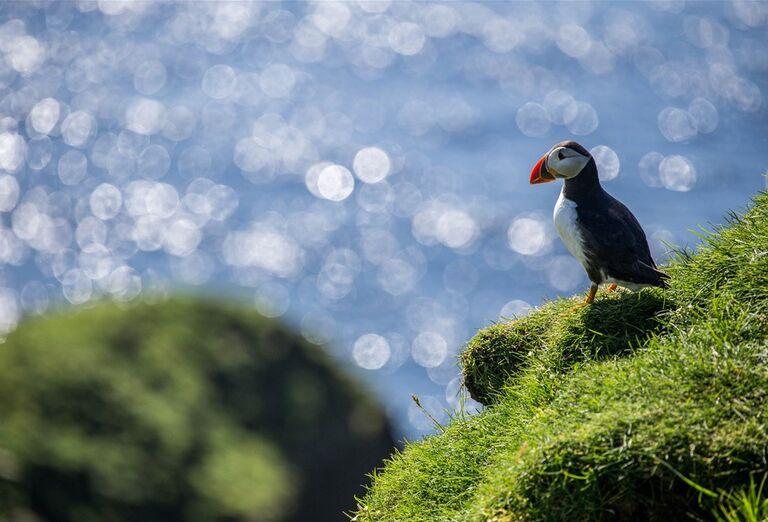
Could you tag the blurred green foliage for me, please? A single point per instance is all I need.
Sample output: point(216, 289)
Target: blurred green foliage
point(178, 410)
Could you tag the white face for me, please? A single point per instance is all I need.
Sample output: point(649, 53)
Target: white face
point(565, 163)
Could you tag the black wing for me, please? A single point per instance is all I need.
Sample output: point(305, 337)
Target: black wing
point(615, 242)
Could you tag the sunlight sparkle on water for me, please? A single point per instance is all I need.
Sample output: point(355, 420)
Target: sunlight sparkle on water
point(371, 351)
point(528, 236)
point(429, 349)
point(358, 167)
point(371, 164)
point(607, 161)
point(677, 173)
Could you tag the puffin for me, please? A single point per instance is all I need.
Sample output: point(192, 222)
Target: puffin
point(597, 229)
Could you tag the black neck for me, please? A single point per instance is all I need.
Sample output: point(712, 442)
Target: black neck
point(584, 186)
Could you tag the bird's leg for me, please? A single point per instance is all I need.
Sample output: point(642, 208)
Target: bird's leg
point(591, 294)
point(612, 288)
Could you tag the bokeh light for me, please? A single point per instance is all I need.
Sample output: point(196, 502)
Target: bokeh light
point(607, 161)
point(532, 119)
point(358, 169)
point(677, 173)
point(429, 349)
point(335, 183)
point(528, 235)
point(515, 308)
point(371, 351)
point(371, 164)
point(648, 167)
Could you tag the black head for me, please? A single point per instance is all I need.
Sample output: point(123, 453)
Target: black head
point(565, 160)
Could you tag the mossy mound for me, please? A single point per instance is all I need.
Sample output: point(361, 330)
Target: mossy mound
point(180, 410)
point(642, 406)
point(612, 326)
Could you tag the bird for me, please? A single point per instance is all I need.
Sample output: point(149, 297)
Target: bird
point(596, 228)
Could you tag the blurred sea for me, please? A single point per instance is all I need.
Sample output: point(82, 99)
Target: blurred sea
point(360, 169)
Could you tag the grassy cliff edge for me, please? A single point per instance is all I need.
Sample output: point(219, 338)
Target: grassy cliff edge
point(644, 405)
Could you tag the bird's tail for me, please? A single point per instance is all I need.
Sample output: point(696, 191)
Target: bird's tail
point(655, 276)
point(662, 278)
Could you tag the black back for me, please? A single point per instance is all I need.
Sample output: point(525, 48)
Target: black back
point(614, 241)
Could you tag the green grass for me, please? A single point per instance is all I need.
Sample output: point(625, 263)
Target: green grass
point(642, 406)
point(748, 504)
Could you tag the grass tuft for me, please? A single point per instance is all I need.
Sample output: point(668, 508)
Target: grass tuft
point(747, 504)
point(638, 407)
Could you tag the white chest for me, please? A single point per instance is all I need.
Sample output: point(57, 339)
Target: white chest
point(567, 227)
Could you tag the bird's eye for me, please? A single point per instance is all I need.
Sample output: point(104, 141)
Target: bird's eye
point(560, 154)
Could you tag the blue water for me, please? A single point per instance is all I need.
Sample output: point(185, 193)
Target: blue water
point(150, 147)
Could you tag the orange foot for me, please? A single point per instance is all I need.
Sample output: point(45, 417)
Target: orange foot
point(590, 297)
point(612, 288)
point(591, 294)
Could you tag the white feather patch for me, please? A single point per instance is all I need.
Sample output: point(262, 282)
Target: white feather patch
point(567, 227)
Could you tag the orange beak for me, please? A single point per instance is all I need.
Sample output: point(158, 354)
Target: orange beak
point(540, 174)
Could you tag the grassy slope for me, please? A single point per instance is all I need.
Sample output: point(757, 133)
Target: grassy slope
point(638, 407)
